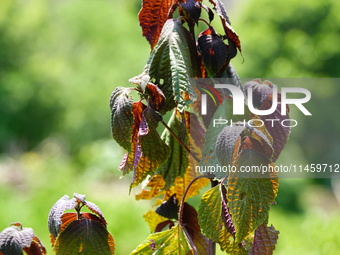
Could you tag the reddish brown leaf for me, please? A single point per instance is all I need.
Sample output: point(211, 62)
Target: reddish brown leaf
point(193, 230)
point(264, 240)
point(152, 17)
point(131, 160)
point(156, 96)
point(36, 248)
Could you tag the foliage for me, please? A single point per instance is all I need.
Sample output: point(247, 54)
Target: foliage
point(75, 233)
point(16, 239)
point(234, 212)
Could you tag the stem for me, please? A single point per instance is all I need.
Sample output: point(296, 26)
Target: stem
point(179, 140)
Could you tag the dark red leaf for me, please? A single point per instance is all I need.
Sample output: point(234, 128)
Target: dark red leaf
point(193, 8)
point(226, 217)
point(264, 240)
point(213, 51)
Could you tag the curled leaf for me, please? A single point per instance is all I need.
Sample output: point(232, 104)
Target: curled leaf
point(16, 239)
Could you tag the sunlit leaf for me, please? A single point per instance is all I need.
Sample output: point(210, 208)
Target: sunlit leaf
point(85, 236)
point(121, 116)
point(153, 219)
point(152, 189)
point(211, 222)
point(249, 199)
point(264, 240)
point(172, 241)
point(172, 64)
point(152, 17)
point(16, 239)
point(54, 217)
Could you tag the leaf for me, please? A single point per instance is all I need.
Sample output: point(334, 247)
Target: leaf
point(132, 158)
point(226, 216)
point(231, 34)
point(213, 51)
point(153, 219)
point(190, 224)
point(222, 114)
point(249, 198)
point(211, 222)
point(226, 142)
point(172, 64)
point(54, 217)
point(264, 240)
point(172, 241)
point(152, 17)
point(154, 151)
point(85, 236)
point(121, 116)
point(15, 239)
point(169, 208)
point(178, 160)
point(262, 98)
point(156, 185)
point(192, 8)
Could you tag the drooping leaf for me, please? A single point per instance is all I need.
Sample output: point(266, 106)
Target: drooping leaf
point(16, 239)
point(231, 34)
point(178, 160)
point(213, 51)
point(121, 116)
point(54, 217)
point(132, 158)
point(192, 8)
point(172, 64)
point(211, 222)
point(85, 236)
point(172, 241)
point(152, 17)
point(264, 240)
point(249, 198)
point(154, 150)
point(226, 216)
point(189, 221)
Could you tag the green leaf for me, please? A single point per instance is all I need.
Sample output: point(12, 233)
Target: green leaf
point(15, 239)
point(168, 242)
point(121, 116)
point(264, 240)
point(85, 236)
point(172, 64)
point(250, 198)
point(211, 222)
point(178, 161)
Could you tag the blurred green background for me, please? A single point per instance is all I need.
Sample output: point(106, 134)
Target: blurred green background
point(60, 61)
